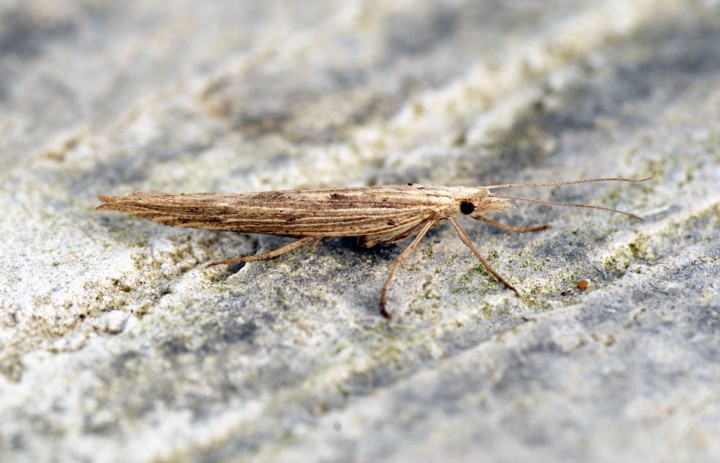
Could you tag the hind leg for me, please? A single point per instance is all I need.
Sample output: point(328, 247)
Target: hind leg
point(268, 255)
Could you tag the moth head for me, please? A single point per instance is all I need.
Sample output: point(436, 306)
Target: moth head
point(475, 206)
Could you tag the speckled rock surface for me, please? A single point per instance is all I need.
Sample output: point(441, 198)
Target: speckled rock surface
point(116, 344)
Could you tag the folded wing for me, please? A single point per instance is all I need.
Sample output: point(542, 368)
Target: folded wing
point(377, 213)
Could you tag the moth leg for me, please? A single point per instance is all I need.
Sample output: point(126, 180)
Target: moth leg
point(268, 255)
point(485, 264)
point(398, 263)
point(510, 228)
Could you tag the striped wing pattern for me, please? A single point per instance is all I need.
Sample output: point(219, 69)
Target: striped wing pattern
point(377, 213)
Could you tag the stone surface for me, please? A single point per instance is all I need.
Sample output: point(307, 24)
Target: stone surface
point(117, 345)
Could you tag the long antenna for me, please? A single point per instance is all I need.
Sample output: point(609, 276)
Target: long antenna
point(573, 182)
point(555, 203)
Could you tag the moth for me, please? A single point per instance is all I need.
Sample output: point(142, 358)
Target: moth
point(375, 215)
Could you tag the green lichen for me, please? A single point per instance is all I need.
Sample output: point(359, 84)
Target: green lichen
point(711, 144)
point(710, 215)
point(640, 248)
point(616, 264)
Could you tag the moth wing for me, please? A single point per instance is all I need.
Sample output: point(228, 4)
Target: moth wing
point(380, 214)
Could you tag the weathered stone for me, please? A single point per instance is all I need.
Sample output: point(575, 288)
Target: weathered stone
point(116, 344)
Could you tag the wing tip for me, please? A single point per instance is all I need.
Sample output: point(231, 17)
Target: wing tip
point(107, 202)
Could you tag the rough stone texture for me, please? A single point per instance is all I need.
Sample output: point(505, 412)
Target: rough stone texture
point(117, 345)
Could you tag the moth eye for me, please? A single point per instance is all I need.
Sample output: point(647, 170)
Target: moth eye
point(467, 207)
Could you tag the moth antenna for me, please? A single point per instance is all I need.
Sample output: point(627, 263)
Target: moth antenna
point(574, 182)
point(555, 203)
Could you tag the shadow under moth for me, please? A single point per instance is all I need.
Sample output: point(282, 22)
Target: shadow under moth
point(375, 215)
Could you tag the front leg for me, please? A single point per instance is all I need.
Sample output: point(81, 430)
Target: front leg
point(464, 238)
point(510, 228)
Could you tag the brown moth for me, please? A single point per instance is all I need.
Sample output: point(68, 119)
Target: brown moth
point(375, 215)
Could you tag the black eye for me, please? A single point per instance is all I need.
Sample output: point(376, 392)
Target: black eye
point(466, 207)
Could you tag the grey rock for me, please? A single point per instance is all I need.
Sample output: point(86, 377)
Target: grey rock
point(116, 344)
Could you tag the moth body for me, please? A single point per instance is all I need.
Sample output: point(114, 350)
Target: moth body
point(375, 214)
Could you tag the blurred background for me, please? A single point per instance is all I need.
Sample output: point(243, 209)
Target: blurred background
point(117, 345)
